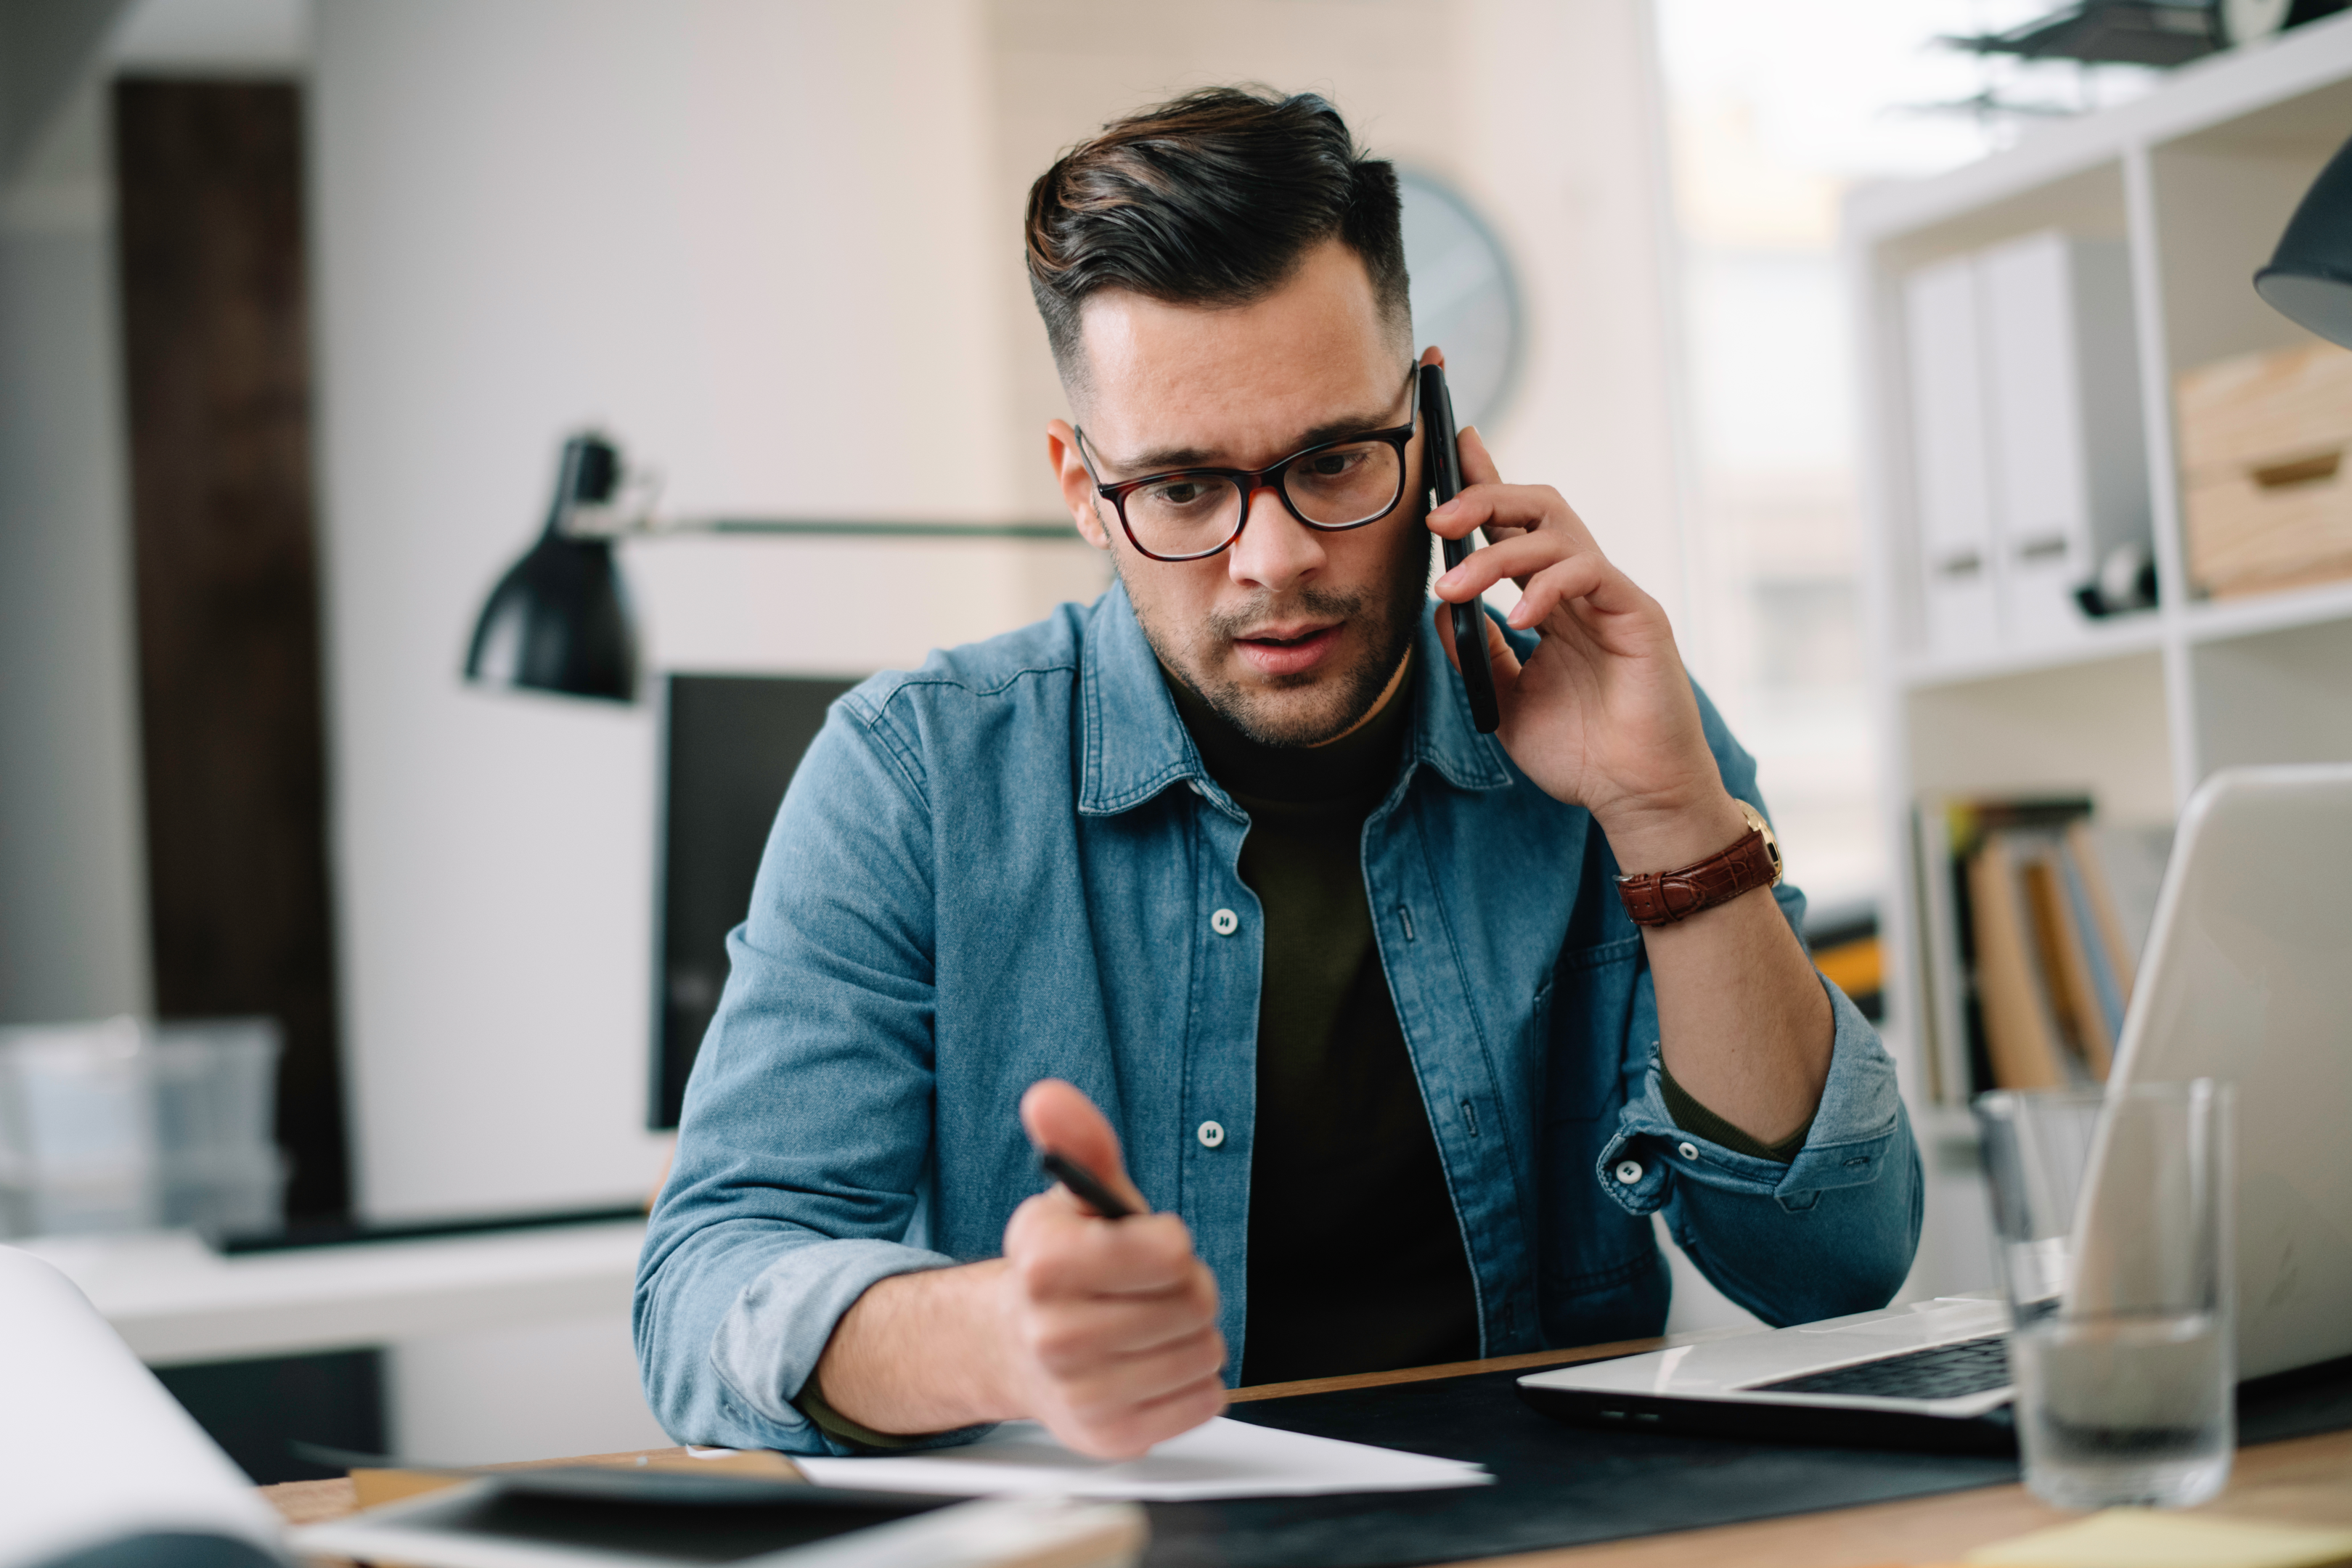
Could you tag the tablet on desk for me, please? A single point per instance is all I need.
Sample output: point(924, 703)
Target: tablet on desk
point(510, 1522)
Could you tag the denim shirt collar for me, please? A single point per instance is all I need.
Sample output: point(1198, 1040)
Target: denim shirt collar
point(1135, 745)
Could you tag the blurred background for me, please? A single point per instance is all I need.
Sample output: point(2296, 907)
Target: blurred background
point(300, 300)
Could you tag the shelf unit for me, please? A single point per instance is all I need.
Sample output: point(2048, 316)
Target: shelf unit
point(2197, 179)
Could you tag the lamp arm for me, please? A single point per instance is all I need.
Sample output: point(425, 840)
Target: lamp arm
point(627, 511)
point(599, 498)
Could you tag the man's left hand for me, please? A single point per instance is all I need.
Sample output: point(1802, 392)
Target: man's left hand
point(1602, 714)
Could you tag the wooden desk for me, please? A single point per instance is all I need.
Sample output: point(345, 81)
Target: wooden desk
point(2307, 1480)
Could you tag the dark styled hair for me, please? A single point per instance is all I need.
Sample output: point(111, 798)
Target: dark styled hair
point(1212, 199)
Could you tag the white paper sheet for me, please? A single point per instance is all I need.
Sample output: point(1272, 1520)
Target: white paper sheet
point(1224, 1459)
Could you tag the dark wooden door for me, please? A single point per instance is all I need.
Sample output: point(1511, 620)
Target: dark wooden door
point(217, 341)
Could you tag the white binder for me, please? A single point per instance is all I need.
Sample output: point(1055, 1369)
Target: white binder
point(2028, 458)
point(2062, 380)
point(1952, 463)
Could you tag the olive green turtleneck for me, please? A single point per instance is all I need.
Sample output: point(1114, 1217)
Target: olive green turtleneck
point(1356, 1260)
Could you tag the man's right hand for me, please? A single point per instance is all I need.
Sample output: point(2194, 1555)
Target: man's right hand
point(1104, 1330)
point(1110, 1326)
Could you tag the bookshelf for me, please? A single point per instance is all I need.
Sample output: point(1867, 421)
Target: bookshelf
point(2195, 181)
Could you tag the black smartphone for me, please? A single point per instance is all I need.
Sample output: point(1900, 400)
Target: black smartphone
point(1442, 463)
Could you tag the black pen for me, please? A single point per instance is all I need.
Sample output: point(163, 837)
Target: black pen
point(1084, 1183)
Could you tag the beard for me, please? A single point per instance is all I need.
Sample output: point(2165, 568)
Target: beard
point(1384, 625)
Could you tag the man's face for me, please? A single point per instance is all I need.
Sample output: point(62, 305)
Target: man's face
point(1291, 633)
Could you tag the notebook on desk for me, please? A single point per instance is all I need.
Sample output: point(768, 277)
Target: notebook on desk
point(2245, 981)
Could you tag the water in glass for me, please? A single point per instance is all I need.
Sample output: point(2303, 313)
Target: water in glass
point(2127, 1408)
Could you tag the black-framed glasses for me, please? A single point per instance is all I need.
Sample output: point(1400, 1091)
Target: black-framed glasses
point(1188, 514)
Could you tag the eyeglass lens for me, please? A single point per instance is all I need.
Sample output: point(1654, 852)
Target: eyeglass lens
point(1185, 514)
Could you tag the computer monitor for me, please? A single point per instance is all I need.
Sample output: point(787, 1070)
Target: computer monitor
point(731, 743)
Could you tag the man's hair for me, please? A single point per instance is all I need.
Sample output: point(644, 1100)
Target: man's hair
point(1210, 199)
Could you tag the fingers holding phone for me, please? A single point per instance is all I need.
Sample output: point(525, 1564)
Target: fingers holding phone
point(1110, 1324)
point(1600, 713)
point(1502, 664)
point(1537, 541)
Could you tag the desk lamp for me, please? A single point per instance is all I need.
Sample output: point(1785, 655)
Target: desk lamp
point(558, 621)
point(2309, 279)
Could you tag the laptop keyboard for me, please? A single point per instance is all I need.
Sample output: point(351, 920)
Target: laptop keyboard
point(1944, 1371)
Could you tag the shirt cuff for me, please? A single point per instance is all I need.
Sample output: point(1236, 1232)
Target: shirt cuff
point(767, 1346)
point(1692, 1117)
point(1857, 1126)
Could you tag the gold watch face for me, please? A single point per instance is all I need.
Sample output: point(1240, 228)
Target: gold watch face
point(1771, 840)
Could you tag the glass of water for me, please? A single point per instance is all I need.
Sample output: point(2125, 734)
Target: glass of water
point(2111, 1217)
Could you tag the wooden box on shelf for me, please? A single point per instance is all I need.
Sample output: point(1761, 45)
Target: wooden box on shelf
point(2266, 470)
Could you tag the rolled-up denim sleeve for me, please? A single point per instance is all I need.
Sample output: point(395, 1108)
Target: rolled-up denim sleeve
point(805, 1134)
point(1832, 1231)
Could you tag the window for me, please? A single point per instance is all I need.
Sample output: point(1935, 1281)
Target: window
point(1772, 111)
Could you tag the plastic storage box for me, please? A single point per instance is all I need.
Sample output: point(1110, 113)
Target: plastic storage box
point(115, 1126)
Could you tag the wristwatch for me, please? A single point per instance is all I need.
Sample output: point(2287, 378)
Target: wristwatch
point(1661, 898)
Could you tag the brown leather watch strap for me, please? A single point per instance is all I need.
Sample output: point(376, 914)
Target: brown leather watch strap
point(1661, 898)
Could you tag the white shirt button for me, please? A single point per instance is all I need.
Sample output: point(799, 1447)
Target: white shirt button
point(1225, 922)
point(1629, 1171)
point(1687, 1151)
point(1210, 1134)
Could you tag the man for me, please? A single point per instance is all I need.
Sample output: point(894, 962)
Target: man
point(1211, 886)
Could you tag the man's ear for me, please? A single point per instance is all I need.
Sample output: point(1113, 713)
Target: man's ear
point(1077, 485)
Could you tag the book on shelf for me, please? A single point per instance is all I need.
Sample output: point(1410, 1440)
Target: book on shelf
point(2032, 916)
point(1842, 938)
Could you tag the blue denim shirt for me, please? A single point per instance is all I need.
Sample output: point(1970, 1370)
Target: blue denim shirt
point(1010, 865)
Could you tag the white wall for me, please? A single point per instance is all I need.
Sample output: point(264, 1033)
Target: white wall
point(743, 236)
point(1568, 151)
point(73, 912)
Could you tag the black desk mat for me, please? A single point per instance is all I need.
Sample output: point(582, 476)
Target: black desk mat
point(1563, 1486)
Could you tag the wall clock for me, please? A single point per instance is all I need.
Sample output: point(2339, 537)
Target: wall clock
point(1465, 297)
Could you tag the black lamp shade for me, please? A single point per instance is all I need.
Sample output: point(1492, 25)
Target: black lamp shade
point(558, 621)
point(2309, 279)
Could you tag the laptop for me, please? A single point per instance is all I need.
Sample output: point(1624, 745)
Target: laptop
point(2244, 980)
